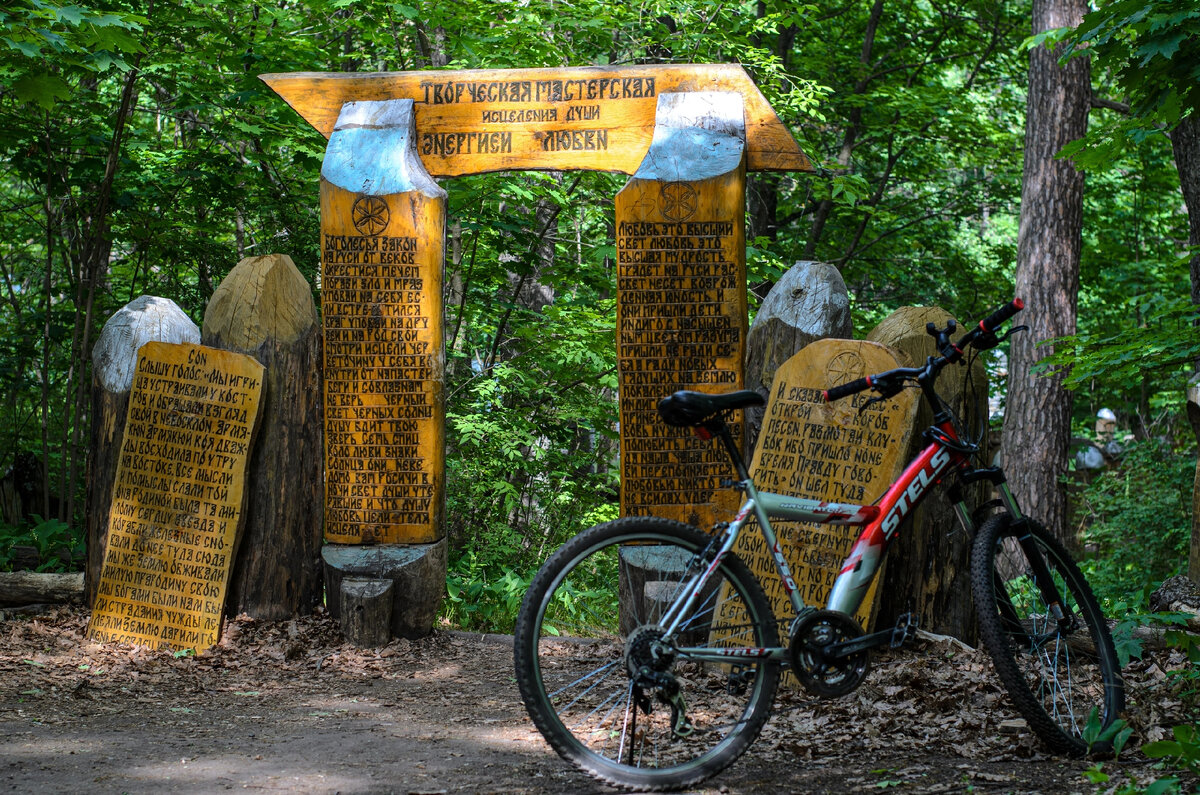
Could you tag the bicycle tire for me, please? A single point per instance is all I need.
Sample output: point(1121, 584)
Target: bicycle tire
point(573, 646)
point(1055, 675)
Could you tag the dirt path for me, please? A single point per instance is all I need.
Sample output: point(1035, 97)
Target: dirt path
point(288, 707)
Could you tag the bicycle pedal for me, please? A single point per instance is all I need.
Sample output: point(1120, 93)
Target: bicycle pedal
point(905, 629)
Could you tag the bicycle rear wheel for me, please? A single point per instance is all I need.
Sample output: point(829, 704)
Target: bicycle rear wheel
point(612, 693)
point(1057, 670)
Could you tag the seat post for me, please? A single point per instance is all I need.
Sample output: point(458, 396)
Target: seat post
point(717, 426)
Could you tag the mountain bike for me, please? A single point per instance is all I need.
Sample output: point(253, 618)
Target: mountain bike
point(648, 656)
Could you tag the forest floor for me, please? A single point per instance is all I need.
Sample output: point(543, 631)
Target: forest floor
point(289, 707)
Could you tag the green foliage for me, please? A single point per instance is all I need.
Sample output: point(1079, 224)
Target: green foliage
point(478, 599)
point(52, 538)
point(1138, 519)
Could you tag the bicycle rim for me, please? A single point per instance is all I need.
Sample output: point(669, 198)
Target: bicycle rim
point(588, 645)
point(1059, 673)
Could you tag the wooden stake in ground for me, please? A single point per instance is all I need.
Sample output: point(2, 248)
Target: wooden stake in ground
point(264, 308)
point(681, 302)
point(808, 303)
point(383, 221)
point(142, 320)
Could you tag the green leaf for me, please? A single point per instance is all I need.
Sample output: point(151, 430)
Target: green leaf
point(26, 48)
point(43, 90)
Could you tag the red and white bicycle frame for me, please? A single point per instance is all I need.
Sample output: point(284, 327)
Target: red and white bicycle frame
point(880, 523)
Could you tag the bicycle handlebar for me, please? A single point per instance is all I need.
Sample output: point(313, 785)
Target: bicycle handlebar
point(888, 383)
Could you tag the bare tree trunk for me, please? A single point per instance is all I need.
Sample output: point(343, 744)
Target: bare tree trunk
point(1185, 144)
point(1037, 420)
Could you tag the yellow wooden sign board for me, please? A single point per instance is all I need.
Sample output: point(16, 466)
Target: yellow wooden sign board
point(825, 451)
point(598, 118)
point(177, 500)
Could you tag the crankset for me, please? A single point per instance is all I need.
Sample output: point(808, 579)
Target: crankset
point(814, 640)
point(829, 651)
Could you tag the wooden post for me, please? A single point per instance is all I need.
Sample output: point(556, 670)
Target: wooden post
point(681, 302)
point(264, 308)
point(366, 610)
point(382, 255)
point(114, 359)
point(929, 572)
point(807, 304)
point(383, 222)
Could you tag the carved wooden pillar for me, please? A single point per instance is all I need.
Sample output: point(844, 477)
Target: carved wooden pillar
point(265, 308)
point(929, 572)
point(383, 224)
point(681, 302)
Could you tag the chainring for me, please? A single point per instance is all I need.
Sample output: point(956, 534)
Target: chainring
point(821, 674)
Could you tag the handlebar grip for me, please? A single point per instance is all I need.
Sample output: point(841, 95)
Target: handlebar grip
point(847, 389)
point(992, 322)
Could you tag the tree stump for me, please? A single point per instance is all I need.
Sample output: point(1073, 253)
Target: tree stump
point(929, 568)
point(807, 304)
point(365, 607)
point(418, 571)
point(264, 308)
point(114, 360)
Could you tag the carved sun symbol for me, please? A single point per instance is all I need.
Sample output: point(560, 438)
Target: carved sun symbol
point(844, 367)
point(679, 201)
point(370, 215)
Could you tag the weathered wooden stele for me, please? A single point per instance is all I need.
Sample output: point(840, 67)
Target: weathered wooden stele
point(808, 303)
point(178, 497)
point(825, 451)
point(382, 255)
point(114, 360)
point(264, 308)
point(681, 302)
point(929, 573)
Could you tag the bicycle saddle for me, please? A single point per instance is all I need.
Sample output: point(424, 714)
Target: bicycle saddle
point(685, 408)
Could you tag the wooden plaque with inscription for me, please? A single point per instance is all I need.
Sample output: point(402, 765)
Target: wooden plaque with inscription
point(681, 303)
point(178, 497)
point(600, 118)
point(383, 225)
point(825, 451)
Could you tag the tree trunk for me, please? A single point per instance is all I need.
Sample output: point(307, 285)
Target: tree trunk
point(32, 587)
point(264, 308)
point(1185, 144)
point(1037, 420)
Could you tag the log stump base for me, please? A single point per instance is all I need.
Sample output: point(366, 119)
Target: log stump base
point(416, 572)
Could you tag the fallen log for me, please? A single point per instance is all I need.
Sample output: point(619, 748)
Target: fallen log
point(29, 587)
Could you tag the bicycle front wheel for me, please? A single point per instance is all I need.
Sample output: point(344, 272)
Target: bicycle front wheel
point(1045, 633)
point(611, 687)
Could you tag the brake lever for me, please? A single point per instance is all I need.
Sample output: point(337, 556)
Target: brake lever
point(1010, 332)
point(870, 401)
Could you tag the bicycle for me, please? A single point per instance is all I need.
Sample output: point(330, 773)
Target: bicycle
point(668, 680)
